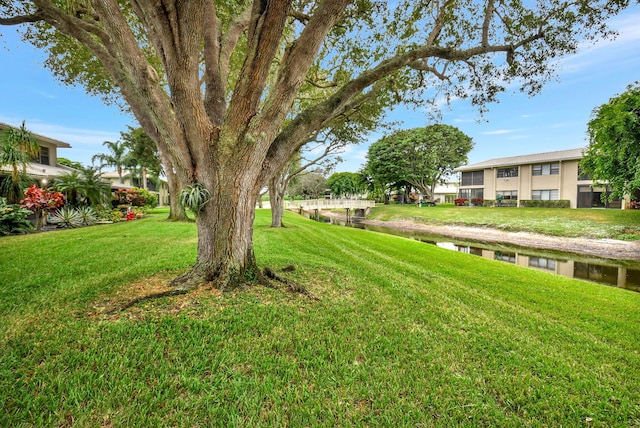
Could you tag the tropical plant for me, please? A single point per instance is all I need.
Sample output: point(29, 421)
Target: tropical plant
point(13, 218)
point(194, 197)
point(135, 197)
point(94, 189)
point(71, 185)
point(87, 216)
point(117, 157)
point(41, 202)
point(66, 217)
point(18, 147)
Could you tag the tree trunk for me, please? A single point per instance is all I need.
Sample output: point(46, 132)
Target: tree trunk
point(225, 236)
point(176, 211)
point(276, 198)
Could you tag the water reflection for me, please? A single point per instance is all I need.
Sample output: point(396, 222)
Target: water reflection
point(565, 264)
point(603, 271)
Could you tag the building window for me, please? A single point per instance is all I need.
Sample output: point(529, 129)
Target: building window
point(583, 176)
point(507, 172)
point(505, 257)
point(473, 178)
point(542, 263)
point(507, 194)
point(545, 195)
point(470, 194)
point(546, 169)
point(44, 156)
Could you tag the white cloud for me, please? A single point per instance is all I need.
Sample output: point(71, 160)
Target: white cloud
point(43, 94)
point(74, 135)
point(498, 132)
point(591, 54)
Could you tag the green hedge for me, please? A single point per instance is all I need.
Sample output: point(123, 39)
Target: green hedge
point(505, 203)
point(545, 204)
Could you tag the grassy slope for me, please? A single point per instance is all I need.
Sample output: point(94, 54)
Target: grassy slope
point(591, 223)
point(403, 334)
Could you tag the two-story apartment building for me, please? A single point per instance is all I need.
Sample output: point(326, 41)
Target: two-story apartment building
point(538, 176)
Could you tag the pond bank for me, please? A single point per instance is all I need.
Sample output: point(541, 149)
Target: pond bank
point(605, 248)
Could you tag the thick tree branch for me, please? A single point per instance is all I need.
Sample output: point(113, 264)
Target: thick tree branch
point(24, 19)
point(214, 102)
point(298, 59)
point(264, 35)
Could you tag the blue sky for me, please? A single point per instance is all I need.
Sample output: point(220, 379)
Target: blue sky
point(553, 120)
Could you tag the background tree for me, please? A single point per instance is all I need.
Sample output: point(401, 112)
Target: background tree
point(346, 184)
point(214, 83)
point(144, 152)
point(118, 157)
point(320, 152)
point(71, 164)
point(613, 154)
point(420, 156)
point(18, 147)
point(309, 185)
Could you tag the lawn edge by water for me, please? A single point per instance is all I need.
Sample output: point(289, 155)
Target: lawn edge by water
point(587, 223)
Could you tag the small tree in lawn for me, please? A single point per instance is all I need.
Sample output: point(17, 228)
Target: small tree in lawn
point(41, 202)
point(613, 154)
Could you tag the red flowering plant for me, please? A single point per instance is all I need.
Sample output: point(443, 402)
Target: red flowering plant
point(129, 197)
point(41, 201)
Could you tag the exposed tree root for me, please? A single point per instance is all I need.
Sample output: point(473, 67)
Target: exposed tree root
point(133, 302)
point(190, 281)
point(292, 286)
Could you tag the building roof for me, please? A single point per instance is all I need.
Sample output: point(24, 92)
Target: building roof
point(38, 170)
point(562, 155)
point(39, 137)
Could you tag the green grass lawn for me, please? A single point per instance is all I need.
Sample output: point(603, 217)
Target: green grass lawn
point(401, 334)
point(590, 223)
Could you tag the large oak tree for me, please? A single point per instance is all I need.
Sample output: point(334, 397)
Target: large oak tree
point(213, 82)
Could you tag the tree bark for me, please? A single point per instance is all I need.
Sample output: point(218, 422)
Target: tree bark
point(276, 199)
point(176, 211)
point(225, 234)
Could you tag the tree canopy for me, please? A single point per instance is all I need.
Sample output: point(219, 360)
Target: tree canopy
point(218, 84)
point(613, 154)
point(420, 156)
point(346, 184)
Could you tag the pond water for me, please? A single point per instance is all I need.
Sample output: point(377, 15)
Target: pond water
point(615, 273)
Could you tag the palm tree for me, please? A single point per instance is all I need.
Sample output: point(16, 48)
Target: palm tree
point(83, 187)
point(18, 147)
point(71, 185)
point(118, 158)
point(95, 189)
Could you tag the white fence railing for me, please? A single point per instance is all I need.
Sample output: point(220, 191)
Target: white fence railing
point(317, 204)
